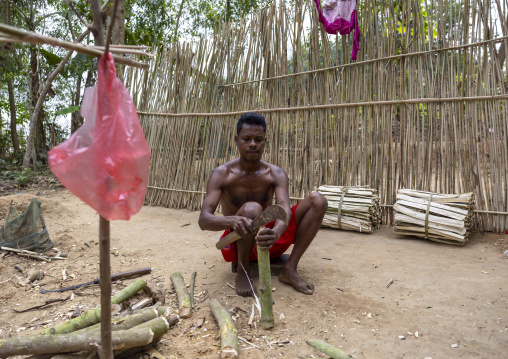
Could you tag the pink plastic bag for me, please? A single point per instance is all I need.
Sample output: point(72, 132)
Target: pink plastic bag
point(105, 162)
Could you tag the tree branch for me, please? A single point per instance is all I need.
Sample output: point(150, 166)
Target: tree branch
point(110, 27)
point(71, 5)
point(20, 12)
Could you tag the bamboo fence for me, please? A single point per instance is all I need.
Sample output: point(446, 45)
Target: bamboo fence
point(424, 107)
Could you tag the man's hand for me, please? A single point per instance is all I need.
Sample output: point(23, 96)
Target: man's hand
point(242, 225)
point(266, 237)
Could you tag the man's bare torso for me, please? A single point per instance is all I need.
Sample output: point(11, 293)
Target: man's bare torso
point(239, 187)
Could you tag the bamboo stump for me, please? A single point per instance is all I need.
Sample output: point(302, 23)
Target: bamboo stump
point(265, 295)
point(227, 329)
point(184, 301)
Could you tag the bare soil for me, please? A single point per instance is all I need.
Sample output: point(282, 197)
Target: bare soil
point(441, 295)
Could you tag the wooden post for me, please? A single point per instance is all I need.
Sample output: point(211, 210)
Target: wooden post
point(105, 283)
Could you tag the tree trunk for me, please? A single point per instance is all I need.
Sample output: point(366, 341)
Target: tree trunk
point(33, 97)
point(175, 33)
point(73, 342)
point(76, 119)
point(118, 34)
point(12, 107)
point(38, 107)
point(228, 10)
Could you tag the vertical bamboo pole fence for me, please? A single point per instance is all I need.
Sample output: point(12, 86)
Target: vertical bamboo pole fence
point(423, 107)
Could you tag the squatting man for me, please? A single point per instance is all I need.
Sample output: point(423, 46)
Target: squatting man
point(246, 186)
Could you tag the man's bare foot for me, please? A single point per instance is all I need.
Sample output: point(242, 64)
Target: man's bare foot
point(243, 286)
point(293, 278)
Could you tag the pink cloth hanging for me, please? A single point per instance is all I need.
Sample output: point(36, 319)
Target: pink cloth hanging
point(340, 16)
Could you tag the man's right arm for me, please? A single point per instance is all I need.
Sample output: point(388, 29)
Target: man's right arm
point(208, 220)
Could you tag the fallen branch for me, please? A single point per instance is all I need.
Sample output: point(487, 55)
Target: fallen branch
point(247, 342)
point(73, 342)
point(192, 284)
point(94, 316)
point(29, 254)
point(328, 349)
point(46, 303)
point(184, 304)
point(228, 332)
point(115, 276)
point(265, 290)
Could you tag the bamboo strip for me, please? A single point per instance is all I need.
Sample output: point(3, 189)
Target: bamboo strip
point(387, 58)
point(338, 105)
point(33, 38)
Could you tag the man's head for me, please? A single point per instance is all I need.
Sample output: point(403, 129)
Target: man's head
point(250, 118)
point(251, 136)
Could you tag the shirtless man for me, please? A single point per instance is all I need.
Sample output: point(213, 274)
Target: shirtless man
point(244, 187)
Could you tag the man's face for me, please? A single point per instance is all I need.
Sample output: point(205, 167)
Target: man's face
point(251, 142)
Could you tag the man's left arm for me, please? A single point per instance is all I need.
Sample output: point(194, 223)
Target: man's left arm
point(268, 236)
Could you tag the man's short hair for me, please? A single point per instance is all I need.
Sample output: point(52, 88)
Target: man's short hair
point(251, 118)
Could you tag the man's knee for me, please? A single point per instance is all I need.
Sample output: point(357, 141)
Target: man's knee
point(318, 202)
point(250, 210)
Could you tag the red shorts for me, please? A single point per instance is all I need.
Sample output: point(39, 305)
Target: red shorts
point(278, 248)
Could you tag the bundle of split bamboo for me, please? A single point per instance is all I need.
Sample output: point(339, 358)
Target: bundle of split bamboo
point(446, 218)
point(351, 208)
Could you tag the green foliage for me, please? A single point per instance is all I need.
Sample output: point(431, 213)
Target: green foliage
point(24, 177)
point(65, 111)
point(51, 58)
point(149, 22)
point(211, 14)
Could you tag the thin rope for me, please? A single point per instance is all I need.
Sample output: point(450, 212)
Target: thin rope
point(338, 105)
point(499, 39)
point(427, 217)
point(339, 216)
point(301, 198)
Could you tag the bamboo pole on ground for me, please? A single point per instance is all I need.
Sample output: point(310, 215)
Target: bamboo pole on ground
point(329, 349)
point(184, 302)
point(62, 343)
point(94, 316)
point(227, 330)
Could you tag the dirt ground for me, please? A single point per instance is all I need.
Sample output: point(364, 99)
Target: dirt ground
point(445, 301)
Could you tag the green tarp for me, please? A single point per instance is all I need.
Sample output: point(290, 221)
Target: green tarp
point(26, 231)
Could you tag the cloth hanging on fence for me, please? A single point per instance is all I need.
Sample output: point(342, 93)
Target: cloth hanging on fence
point(340, 16)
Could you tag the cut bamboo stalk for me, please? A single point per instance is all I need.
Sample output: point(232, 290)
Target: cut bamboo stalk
point(265, 290)
point(184, 303)
point(193, 283)
point(227, 330)
point(62, 343)
point(94, 316)
point(124, 323)
point(329, 349)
